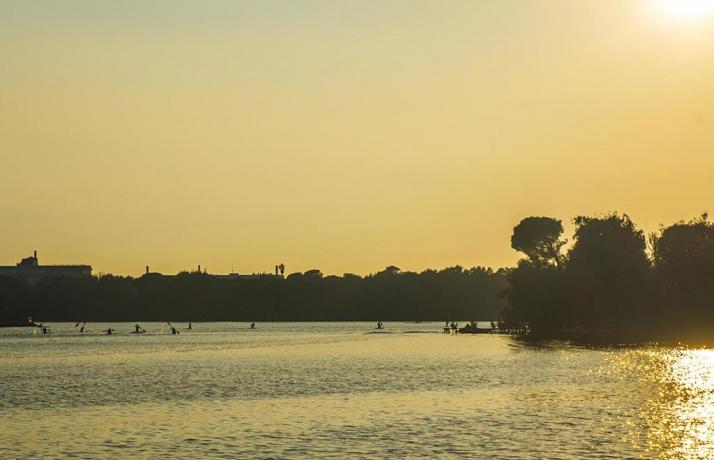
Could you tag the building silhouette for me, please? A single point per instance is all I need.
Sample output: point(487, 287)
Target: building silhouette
point(31, 271)
point(279, 274)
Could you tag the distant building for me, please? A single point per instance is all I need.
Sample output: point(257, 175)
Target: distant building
point(279, 273)
point(31, 271)
point(252, 276)
point(279, 270)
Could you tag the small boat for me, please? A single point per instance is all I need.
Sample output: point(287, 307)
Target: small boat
point(468, 329)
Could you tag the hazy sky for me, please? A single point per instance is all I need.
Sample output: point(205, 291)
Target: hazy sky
point(342, 135)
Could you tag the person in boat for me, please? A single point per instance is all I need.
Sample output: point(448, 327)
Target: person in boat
point(493, 326)
point(252, 325)
point(189, 326)
point(109, 331)
point(81, 329)
point(379, 325)
point(138, 329)
point(45, 330)
point(174, 331)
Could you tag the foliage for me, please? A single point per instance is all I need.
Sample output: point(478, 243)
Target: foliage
point(389, 295)
point(684, 266)
point(535, 295)
point(539, 238)
point(607, 271)
point(606, 282)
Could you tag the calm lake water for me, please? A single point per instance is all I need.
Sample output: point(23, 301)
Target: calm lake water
point(341, 390)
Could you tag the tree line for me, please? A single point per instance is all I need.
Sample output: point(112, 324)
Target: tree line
point(610, 278)
point(389, 295)
point(613, 278)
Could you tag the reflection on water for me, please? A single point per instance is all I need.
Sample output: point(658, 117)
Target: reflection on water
point(677, 421)
point(336, 390)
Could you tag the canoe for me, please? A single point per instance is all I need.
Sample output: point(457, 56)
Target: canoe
point(474, 330)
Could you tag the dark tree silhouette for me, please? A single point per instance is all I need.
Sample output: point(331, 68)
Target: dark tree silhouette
point(536, 296)
point(684, 270)
point(606, 286)
point(603, 283)
point(539, 238)
point(607, 272)
point(388, 295)
point(535, 293)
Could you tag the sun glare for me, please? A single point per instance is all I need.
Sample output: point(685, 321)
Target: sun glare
point(686, 9)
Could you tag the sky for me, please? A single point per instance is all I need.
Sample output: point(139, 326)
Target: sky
point(343, 135)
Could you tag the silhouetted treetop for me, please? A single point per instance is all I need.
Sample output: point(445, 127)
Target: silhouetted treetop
point(684, 272)
point(314, 273)
point(607, 270)
point(389, 271)
point(682, 243)
point(539, 238)
point(608, 243)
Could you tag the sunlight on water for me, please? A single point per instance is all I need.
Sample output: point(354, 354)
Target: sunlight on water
point(677, 419)
point(682, 419)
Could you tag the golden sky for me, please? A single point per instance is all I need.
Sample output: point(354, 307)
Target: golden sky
point(342, 135)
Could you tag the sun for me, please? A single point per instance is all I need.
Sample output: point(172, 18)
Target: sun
point(686, 9)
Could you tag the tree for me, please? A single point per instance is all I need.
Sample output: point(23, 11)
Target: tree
point(607, 272)
point(539, 238)
point(535, 291)
point(678, 244)
point(536, 297)
point(314, 273)
point(684, 267)
point(392, 270)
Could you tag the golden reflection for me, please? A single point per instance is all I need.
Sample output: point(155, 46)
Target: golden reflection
point(677, 420)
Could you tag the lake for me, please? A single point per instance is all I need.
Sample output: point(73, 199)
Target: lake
point(338, 390)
